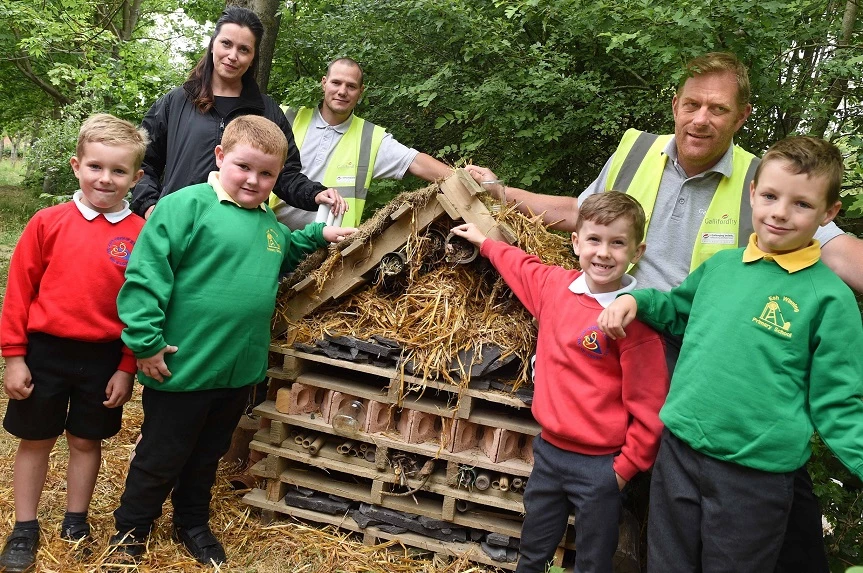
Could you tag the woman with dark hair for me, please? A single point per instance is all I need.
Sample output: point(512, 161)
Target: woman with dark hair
point(186, 124)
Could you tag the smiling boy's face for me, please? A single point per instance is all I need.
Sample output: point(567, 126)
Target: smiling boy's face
point(787, 207)
point(248, 174)
point(605, 252)
point(106, 173)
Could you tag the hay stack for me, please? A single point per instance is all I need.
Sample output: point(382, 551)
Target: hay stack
point(439, 308)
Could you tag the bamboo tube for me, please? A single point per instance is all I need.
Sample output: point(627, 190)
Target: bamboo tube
point(482, 481)
point(316, 446)
point(503, 483)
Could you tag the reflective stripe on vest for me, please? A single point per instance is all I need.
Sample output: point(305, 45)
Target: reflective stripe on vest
point(637, 167)
point(350, 168)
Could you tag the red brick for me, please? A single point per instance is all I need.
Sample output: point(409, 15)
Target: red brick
point(379, 417)
point(417, 427)
point(500, 444)
point(463, 435)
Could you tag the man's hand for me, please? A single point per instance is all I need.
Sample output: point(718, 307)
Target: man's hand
point(17, 381)
point(149, 211)
point(621, 483)
point(331, 197)
point(471, 233)
point(617, 316)
point(487, 180)
point(337, 234)
point(119, 389)
point(155, 366)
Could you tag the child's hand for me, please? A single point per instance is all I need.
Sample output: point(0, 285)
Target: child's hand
point(621, 483)
point(617, 316)
point(155, 366)
point(331, 197)
point(119, 389)
point(469, 232)
point(17, 381)
point(337, 234)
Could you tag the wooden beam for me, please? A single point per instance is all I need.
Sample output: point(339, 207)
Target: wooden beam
point(461, 191)
point(358, 262)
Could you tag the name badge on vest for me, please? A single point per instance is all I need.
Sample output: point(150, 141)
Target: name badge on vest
point(345, 180)
point(718, 239)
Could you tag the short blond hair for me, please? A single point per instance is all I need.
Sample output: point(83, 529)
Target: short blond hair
point(606, 208)
point(808, 156)
point(106, 129)
point(719, 62)
point(257, 131)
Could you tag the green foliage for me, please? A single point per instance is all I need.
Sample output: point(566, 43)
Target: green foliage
point(841, 496)
point(11, 173)
point(70, 58)
point(49, 160)
point(542, 91)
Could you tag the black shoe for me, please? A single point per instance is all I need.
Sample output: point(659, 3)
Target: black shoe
point(201, 543)
point(126, 547)
point(75, 532)
point(79, 535)
point(19, 553)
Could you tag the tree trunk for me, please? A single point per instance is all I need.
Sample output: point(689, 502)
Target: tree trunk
point(16, 141)
point(839, 85)
point(267, 12)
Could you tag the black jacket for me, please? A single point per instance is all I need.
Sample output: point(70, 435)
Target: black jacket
point(183, 140)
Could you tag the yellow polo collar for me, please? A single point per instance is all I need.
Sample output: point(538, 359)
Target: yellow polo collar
point(213, 181)
point(791, 262)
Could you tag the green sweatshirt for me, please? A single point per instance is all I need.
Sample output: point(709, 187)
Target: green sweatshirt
point(767, 356)
point(203, 277)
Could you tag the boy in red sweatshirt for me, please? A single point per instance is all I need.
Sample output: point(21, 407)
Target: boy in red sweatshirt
point(596, 399)
point(66, 367)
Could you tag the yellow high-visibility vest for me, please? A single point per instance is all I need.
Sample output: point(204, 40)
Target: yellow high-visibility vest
point(637, 167)
point(351, 166)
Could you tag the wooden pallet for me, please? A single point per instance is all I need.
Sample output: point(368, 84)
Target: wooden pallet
point(397, 386)
point(373, 535)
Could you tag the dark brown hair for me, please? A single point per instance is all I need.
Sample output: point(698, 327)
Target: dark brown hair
point(809, 156)
point(199, 85)
point(606, 208)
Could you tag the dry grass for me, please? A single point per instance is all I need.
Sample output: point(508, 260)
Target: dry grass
point(438, 309)
point(284, 546)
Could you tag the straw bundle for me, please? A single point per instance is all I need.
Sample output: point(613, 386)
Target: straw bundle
point(438, 309)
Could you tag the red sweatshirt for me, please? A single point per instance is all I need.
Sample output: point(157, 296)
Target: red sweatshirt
point(64, 278)
point(592, 395)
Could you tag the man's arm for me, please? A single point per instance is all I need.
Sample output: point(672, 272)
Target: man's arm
point(428, 168)
point(844, 256)
point(561, 212)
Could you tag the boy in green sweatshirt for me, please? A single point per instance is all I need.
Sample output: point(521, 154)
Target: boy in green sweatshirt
point(199, 295)
point(770, 353)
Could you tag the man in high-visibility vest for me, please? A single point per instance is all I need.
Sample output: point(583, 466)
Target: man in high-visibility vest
point(345, 152)
point(694, 187)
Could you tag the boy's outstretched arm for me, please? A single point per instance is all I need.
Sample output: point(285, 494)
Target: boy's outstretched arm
point(471, 233)
point(154, 366)
point(338, 234)
point(119, 389)
point(17, 381)
point(616, 317)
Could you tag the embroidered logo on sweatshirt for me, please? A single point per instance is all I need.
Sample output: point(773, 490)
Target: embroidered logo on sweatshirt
point(272, 242)
point(776, 315)
point(592, 342)
point(119, 249)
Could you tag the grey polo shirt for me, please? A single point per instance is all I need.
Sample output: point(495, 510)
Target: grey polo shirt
point(392, 162)
point(681, 204)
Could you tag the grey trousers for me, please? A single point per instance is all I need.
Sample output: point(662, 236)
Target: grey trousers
point(560, 482)
point(711, 516)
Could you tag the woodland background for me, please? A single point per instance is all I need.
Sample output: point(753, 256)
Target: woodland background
point(538, 90)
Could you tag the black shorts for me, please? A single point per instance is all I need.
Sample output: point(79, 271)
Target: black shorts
point(69, 381)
